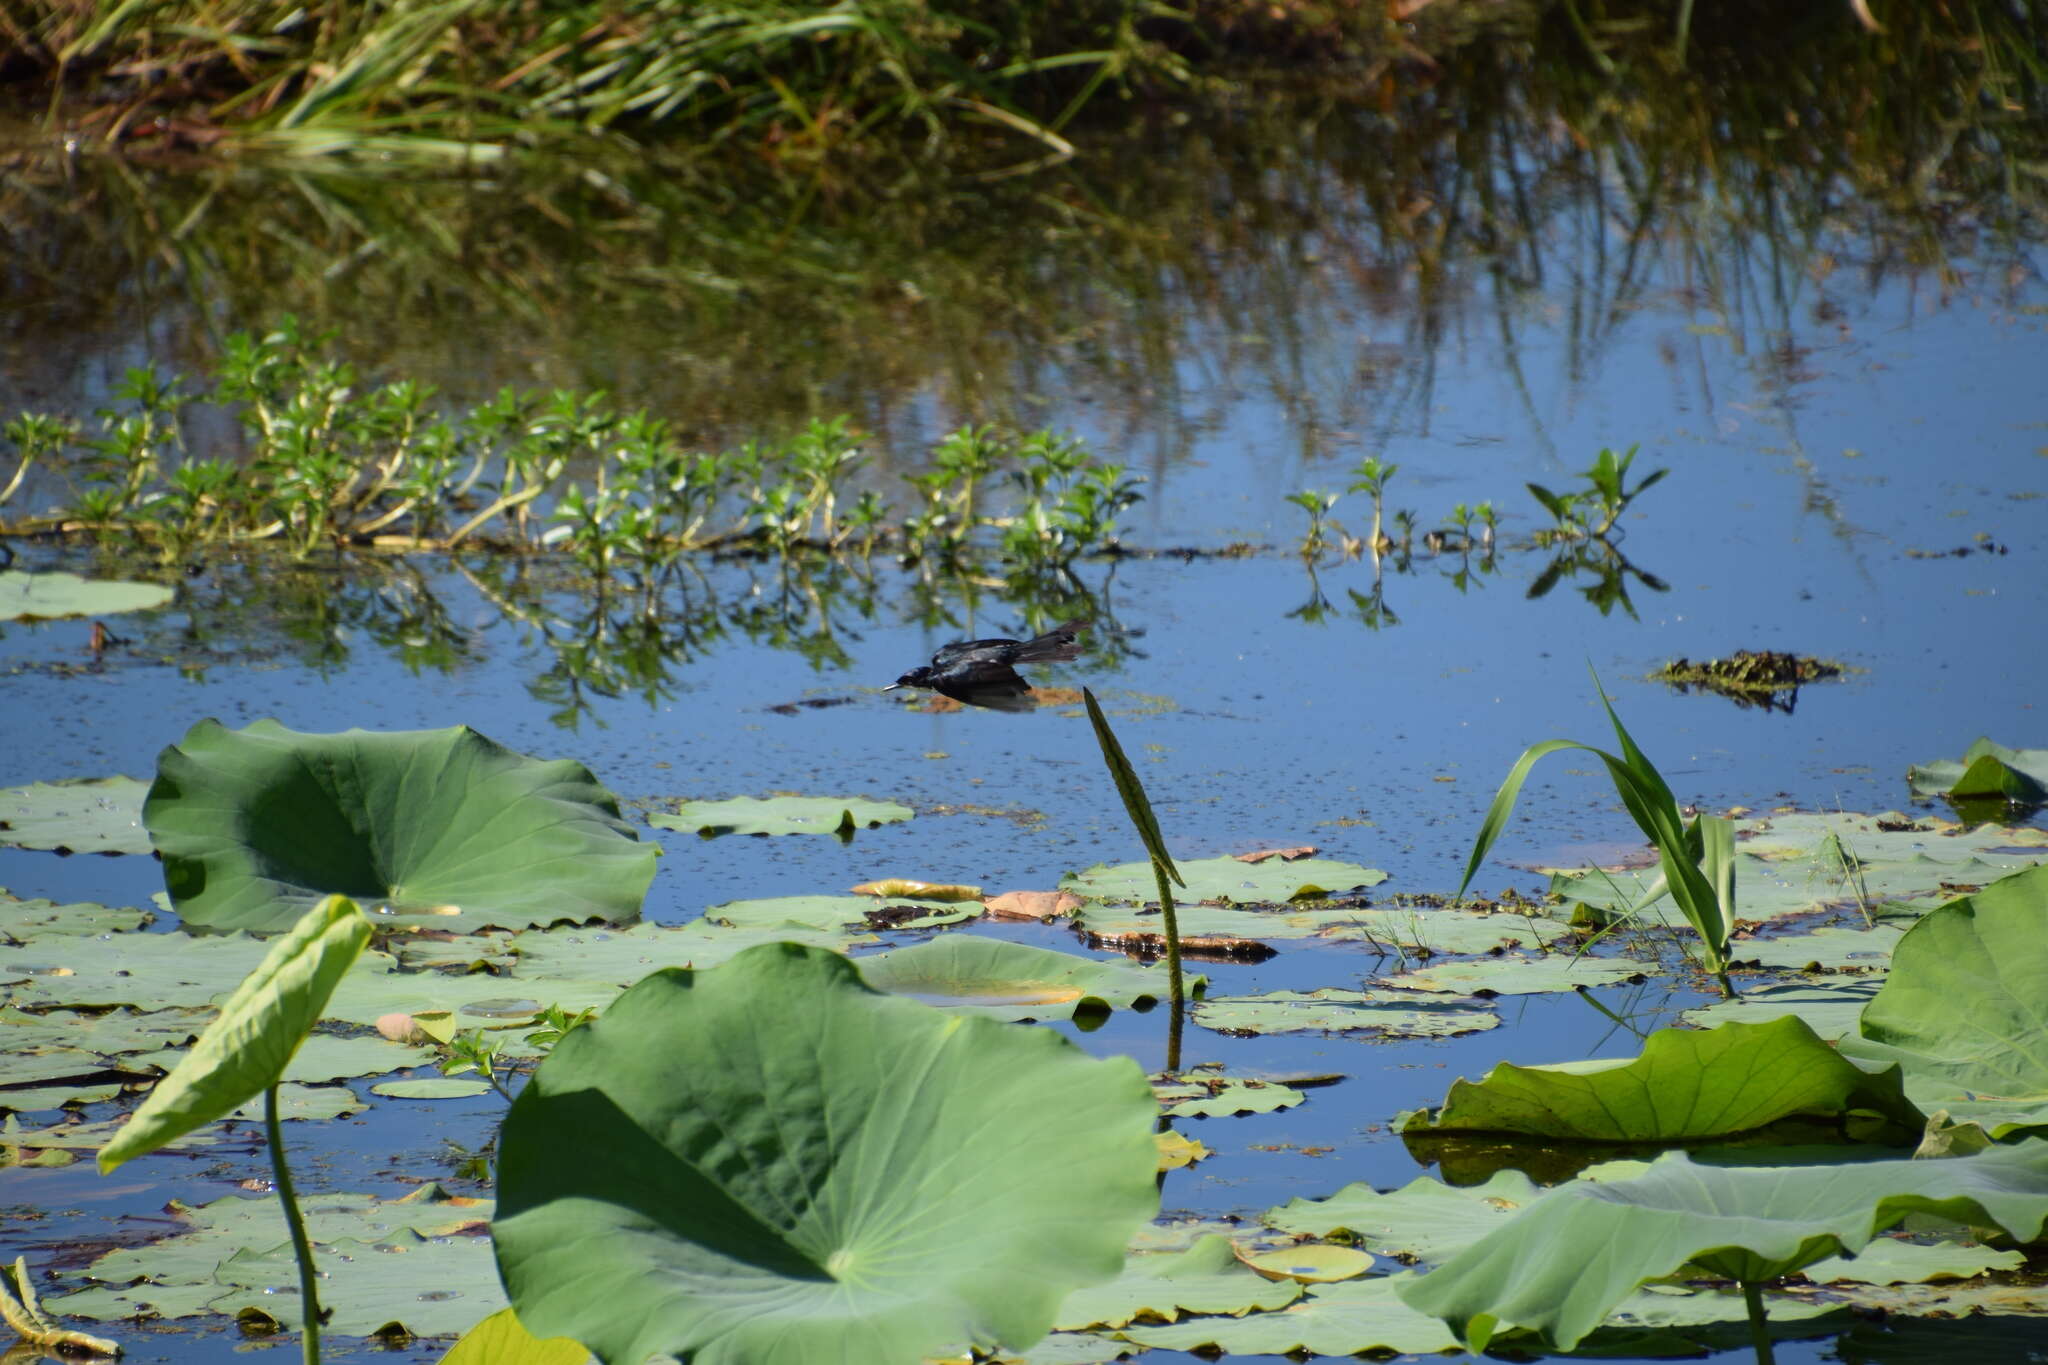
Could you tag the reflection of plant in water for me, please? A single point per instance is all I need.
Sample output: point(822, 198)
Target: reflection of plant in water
point(1609, 570)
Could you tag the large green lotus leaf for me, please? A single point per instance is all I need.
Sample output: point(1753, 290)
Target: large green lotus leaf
point(1342, 1319)
point(310, 1102)
point(622, 956)
point(85, 815)
point(782, 815)
point(1515, 975)
point(1206, 1278)
point(1067, 1348)
point(833, 912)
point(2024, 775)
point(478, 1000)
point(24, 920)
point(28, 596)
point(248, 1048)
point(1562, 1265)
point(1966, 1003)
point(771, 1158)
point(488, 950)
point(1887, 1260)
point(1273, 882)
point(324, 1058)
point(1829, 1004)
point(148, 970)
point(1666, 1321)
point(1004, 980)
point(107, 1035)
point(1331, 1010)
point(256, 824)
point(1425, 1219)
point(1825, 949)
point(58, 1066)
point(500, 1339)
point(1688, 1085)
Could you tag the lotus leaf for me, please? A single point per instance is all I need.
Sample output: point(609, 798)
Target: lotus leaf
point(1826, 949)
point(1888, 1260)
point(1965, 1008)
point(23, 920)
point(305, 1102)
point(106, 1035)
point(1425, 1219)
point(1206, 1278)
point(80, 1135)
point(769, 1153)
point(1688, 1085)
point(1985, 769)
point(1177, 1152)
point(619, 957)
point(430, 1286)
point(1803, 836)
point(1206, 925)
point(85, 815)
point(1444, 930)
point(1562, 1265)
point(1394, 1013)
point(1332, 1320)
point(1213, 1095)
point(1311, 1263)
point(155, 970)
point(1005, 980)
point(248, 1048)
point(47, 596)
point(782, 815)
point(433, 1088)
point(1228, 880)
point(832, 912)
point(256, 824)
point(1830, 1005)
point(1515, 975)
point(500, 1340)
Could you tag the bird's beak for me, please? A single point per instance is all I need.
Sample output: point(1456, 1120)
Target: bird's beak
point(892, 687)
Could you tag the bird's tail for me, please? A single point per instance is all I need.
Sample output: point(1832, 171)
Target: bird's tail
point(1057, 645)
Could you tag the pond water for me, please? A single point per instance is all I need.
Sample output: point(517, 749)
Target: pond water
point(1852, 407)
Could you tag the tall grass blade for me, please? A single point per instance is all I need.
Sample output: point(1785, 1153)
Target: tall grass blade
point(1130, 789)
point(1504, 804)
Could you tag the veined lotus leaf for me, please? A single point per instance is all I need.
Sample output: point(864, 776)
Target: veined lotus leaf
point(261, 1026)
point(1213, 1094)
point(433, 1088)
point(834, 912)
point(1331, 1320)
point(28, 596)
point(500, 1340)
point(1393, 1013)
point(1059, 1348)
point(1227, 880)
point(1424, 1219)
point(489, 950)
point(782, 815)
point(324, 1058)
point(1665, 1320)
point(257, 824)
point(432, 1286)
point(1005, 980)
point(1996, 1119)
point(1688, 1085)
point(1443, 930)
point(477, 1000)
point(1825, 949)
point(105, 1035)
point(1829, 1004)
point(1206, 1278)
point(622, 956)
point(1986, 769)
point(1310, 1263)
point(24, 920)
point(153, 970)
point(31, 1099)
point(1887, 1260)
point(56, 1066)
point(1516, 975)
point(1783, 885)
point(1562, 1265)
point(769, 1154)
point(313, 1102)
point(1804, 835)
point(84, 815)
point(1965, 1008)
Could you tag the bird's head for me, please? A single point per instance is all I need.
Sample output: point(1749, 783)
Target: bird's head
point(916, 677)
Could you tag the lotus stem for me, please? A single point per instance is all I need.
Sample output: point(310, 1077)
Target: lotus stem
point(1759, 1325)
point(309, 1294)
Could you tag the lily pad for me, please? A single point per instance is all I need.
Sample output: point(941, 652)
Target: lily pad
point(1688, 1085)
point(1559, 1267)
point(771, 1156)
point(1830, 1005)
point(621, 956)
point(308, 1102)
point(1887, 1260)
point(433, 1088)
point(835, 912)
point(22, 920)
point(1424, 1220)
point(500, 1340)
point(1985, 769)
point(48, 596)
point(1825, 949)
point(257, 824)
point(1331, 1010)
point(1228, 881)
point(1333, 1320)
point(152, 970)
point(84, 815)
point(107, 1036)
point(1004, 980)
point(1206, 1278)
point(1214, 1095)
point(1311, 1263)
point(1516, 975)
point(782, 815)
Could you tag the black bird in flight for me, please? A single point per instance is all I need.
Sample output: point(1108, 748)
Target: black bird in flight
point(983, 673)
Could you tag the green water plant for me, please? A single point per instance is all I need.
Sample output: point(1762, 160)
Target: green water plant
point(1696, 857)
point(244, 1052)
point(1590, 512)
point(1165, 876)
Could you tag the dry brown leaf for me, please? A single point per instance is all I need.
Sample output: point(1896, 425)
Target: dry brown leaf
point(1285, 855)
point(924, 891)
point(1032, 904)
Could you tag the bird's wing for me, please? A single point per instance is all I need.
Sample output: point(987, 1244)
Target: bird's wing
point(1059, 644)
point(998, 689)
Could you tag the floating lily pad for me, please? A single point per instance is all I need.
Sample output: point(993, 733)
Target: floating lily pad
point(1332, 1320)
point(22, 920)
point(835, 912)
point(47, 596)
point(1392, 1013)
point(1985, 769)
point(500, 1340)
point(1830, 1005)
point(621, 956)
point(1516, 975)
point(1825, 949)
point(1311, 1263)
point(1206, 1278)
point(770, 1156)
point(1005, 980)
point(1227, 880)
point(1560, 1266)
point(310, 1102)
point(1425, 1219)
point(257, 824)
point(107, 1035)
point(86, 815)
point(782, 815)
point(1887, 1260)
point(149, 970)
point(1177, 1152)
point(433, 1088)
point(1688, 1085)
point(1212, 1095)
